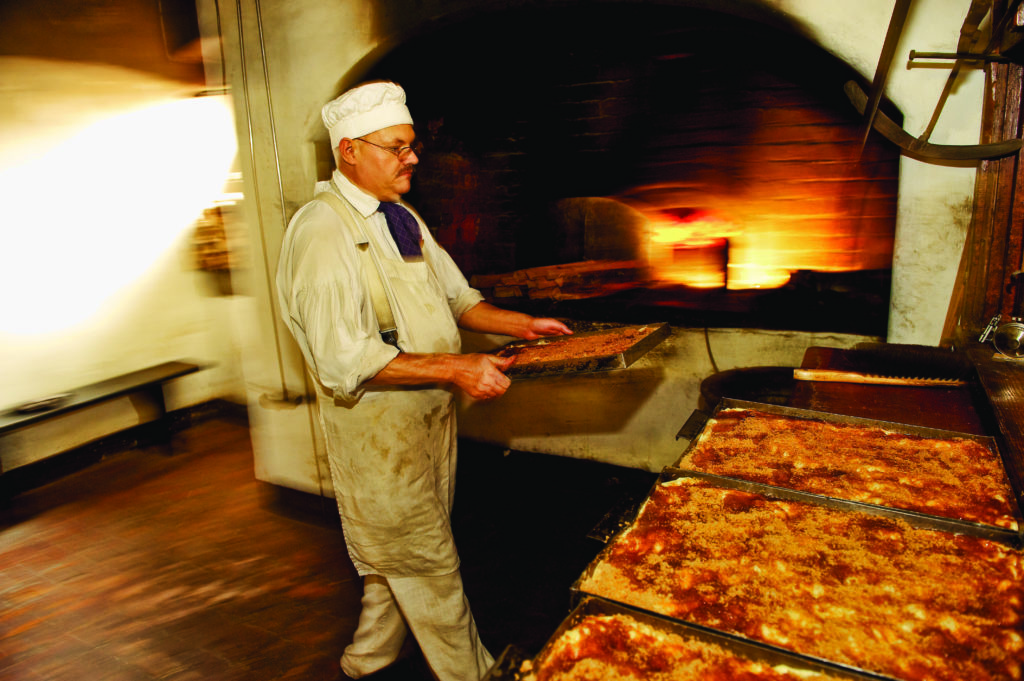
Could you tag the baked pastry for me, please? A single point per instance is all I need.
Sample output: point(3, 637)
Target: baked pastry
point(618, 647)
point(860, 590)
point(595, 344)
point(958, 478)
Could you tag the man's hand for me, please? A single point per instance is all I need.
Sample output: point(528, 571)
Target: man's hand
point(482, 376)
point(544, 326)
point(486, 318)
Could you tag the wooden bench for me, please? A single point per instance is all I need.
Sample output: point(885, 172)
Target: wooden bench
point(148, 382)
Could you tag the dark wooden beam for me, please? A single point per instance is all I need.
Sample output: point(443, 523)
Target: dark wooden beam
point(992, 252)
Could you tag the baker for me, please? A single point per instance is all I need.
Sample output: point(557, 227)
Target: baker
point(386, 402)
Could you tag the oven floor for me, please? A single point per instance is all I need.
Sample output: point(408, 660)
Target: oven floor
point(148, 566)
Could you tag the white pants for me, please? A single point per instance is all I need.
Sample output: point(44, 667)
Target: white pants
point(437, 612)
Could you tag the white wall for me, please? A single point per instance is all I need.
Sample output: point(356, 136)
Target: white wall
point(935, 201)
point(294, 55)
point(95, 256)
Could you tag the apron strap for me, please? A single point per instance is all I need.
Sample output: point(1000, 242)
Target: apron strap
point(378, 296)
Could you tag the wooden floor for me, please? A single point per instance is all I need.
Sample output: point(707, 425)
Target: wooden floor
point(149, 566)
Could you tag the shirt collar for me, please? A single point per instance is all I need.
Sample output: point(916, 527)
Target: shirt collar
point(365, 203)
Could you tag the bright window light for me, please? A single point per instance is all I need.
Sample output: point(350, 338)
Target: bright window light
point(88, 217)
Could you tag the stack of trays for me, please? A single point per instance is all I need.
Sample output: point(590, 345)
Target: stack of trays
point(837, 576)
point(868, 591)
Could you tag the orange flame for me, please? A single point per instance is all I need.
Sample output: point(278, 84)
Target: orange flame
point(700, 250)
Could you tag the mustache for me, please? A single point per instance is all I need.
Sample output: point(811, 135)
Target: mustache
point(411, 169)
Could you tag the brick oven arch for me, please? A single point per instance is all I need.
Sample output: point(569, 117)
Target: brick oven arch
point(672, 111)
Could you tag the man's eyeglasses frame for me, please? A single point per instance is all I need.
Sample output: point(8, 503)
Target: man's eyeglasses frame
point(401, 153)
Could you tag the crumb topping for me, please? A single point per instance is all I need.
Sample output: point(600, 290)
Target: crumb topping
point(958, 478)
point(861, 590)
point(592, 345)
point(619, 647)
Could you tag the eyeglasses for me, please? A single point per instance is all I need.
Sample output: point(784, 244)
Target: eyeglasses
point(402, 153)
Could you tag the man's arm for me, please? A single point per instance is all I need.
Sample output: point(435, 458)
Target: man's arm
point(479, 375)
point(486, 318)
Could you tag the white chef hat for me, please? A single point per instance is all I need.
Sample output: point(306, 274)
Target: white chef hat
point(365, 109)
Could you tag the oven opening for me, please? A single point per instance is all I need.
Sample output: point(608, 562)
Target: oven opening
point(641, 162)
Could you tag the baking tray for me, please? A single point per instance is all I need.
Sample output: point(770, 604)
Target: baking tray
point(621, 514)
point(918, 519)
point(577, 595)
point(580, 365)
point(508, 667)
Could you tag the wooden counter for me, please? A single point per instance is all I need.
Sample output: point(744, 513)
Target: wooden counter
point(1003, 383)
point(952, 408)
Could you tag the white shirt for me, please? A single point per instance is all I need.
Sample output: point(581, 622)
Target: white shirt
point(323, 296)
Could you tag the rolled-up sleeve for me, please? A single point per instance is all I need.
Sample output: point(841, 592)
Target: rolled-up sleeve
point(343, 355)
point(325, 305)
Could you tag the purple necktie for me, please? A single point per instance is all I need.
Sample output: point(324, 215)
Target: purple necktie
point(404, 228)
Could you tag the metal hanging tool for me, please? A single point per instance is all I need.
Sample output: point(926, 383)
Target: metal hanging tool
point(970, 35)
point(892, 38)
point(920, 147)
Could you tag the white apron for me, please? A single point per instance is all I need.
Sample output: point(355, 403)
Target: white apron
point(393, 454)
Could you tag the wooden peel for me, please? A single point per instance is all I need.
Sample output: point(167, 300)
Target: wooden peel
point(830, 376)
